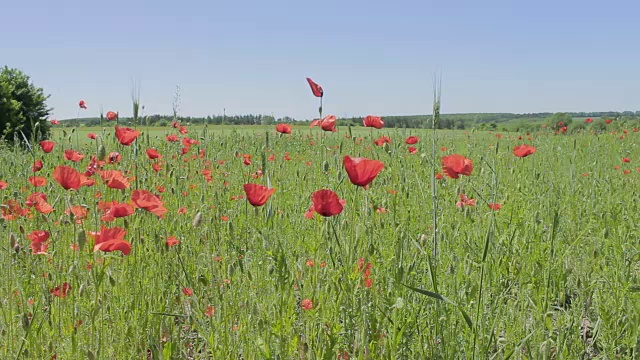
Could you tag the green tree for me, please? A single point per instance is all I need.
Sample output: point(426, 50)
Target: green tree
point(559, 120)
point(23, 108)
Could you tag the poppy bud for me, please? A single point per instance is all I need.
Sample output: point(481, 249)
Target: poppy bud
point(325, 166)
point(102, 152)
point(25, 322)
point(81, 239)
point(423, 239)
point(197, 220)
point(14, 242)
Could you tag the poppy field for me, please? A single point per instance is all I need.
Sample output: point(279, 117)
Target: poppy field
point(348, 243)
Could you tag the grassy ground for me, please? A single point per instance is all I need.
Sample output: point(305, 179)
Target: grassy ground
point(555, 273)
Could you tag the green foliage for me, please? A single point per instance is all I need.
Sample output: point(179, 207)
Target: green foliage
point(559, 120)
point(555, 273)
point(23, 108)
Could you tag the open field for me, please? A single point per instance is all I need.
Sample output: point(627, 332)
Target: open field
point(553, 274)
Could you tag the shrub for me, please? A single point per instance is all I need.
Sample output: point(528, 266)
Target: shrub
point(23, 108)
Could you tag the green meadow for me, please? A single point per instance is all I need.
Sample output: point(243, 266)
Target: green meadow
point(401, 273)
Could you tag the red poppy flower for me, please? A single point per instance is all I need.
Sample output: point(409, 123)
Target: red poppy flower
point(37, 166)
point(187, 291)
point(113, 210)
point(34, 198)
point(126, 135)
point(309, 213)
point(39, 202)
point(114, 179)
point(38, 241)
point(412, 149)
point(79, 213)
point(156, 167)
point(172, 138)
point(361, 171)
point(73, 155)
point(608, 121)
point(183, 130)
point(495, 206)
point(3, 185)
point(92, 136)
point(70, 178)
point(327, 203)
point(39, 248)
point(328, 123)
point(366, 272)
point(111, 115)
point(38, 236)
point(411, 140)
point(172, 241)
point(626, 160)
point(456, 165)
point(55, 122)
point(373, 121)
point(523, 150)
point(257, 195)
point(61, 291)
point(382, 140)
point(315, 88)
point(563, 129)
point(153, 154)
point(82, 104)
point(12, 210)
point(47, 146)
point(111, 239)
point(187, 141)
point(38, 181)
point(210, 311)
point(589, 120)
point(465, 201)
point(143, 199)
point(283, 128)
point(306, 304)
point(114, 157)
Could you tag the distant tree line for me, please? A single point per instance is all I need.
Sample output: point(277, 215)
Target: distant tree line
point(481, 121)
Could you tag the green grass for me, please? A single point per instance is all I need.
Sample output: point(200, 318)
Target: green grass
point(554, 274)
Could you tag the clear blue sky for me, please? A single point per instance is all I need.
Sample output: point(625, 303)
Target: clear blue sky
point(371, 57)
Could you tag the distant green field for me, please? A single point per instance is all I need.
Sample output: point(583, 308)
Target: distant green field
point(79, 134)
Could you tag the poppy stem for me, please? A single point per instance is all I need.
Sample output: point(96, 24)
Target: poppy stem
point(335, 235)
point(434, 193)
point(246, 225)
